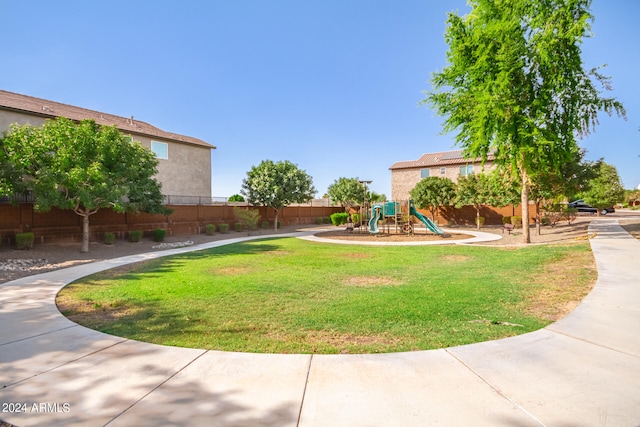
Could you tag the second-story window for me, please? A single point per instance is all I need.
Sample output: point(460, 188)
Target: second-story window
point(466, 170)
point(160, 149)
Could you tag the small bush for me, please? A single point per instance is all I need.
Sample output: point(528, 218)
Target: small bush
point(516, 221)
point(223, 228)
point(25, 240)
point(326, 220)
point(480, 219)
point(570, 214)
point(135, 236)
point(248, 218)
point(237, 226)
point(355, 218)
point(159, 234)
point(545, 220)
point(319, 221)
point(506, 220)
point(210, 229)
point(109, 238)
point(265, 225)
point(339, 218)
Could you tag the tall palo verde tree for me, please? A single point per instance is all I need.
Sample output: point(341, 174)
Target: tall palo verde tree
point(515, 85)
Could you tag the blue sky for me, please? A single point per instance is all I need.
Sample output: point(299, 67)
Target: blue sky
point(331, 85)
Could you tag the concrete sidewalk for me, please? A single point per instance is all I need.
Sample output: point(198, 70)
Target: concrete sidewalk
point(581, 371)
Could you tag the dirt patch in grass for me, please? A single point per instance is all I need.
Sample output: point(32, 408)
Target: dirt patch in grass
point(93, 315)
point(562, 286)
point(371, 281)
point(231, 271)
point(454, 258)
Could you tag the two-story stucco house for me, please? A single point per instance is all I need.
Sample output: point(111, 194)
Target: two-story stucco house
point(184, 167)
point(448, 164)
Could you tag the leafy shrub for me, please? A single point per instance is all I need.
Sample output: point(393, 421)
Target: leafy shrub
point(326, 220)
point(223, 228)
point(25, 240)
point(265, 225)
point(135, 236)
point(159, 234)
point(516, 220)
point(506, 220)
point(570, 214)
point(237, 226)
point(210, 229)
point(109, 238)
point(355, 218)
point(236, 198)
point(248, 218)
point(318, 220)
point(479, 219)
point(339, 218)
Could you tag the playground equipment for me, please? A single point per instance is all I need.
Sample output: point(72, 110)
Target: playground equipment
point(401, 217)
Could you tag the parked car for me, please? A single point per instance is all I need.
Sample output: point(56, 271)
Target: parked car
point(581, 206)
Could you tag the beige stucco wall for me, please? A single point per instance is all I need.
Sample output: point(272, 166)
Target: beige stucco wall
point(7, 118)
point(187, 171)
point(404, 180)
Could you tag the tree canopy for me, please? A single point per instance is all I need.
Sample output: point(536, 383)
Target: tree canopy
point(515, 85)
point(80, 166)
point(605, 189)
point(346, 191)
point(277, 185)
point(432, 192)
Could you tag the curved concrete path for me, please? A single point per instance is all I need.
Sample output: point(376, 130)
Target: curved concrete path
point(581, 371)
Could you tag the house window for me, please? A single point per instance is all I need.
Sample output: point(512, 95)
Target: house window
point(466, 170)
point(160, 149)
point(424, 173)
point(443, 171)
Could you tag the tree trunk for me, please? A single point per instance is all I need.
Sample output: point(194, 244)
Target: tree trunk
point(85, 233)
point(275, 221)
point(524, 200)
point(538, 219)
point(478, 218)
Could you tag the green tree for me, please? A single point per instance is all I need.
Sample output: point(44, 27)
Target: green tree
point(605, 190)
point(549, 185)
point(515, 85)
point(475, 190)
point(80, 166)
point(373, 197)
point(236, 198)
point(277, 185)
point(432, 192)
point(346, 191)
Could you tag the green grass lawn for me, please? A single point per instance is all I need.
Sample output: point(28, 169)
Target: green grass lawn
point(292, 296)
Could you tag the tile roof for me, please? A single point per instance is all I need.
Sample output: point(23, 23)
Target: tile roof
point(51, 109)
point(442, 158)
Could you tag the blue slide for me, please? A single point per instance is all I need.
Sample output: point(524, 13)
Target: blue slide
point(426, 221)
point(376, 215)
